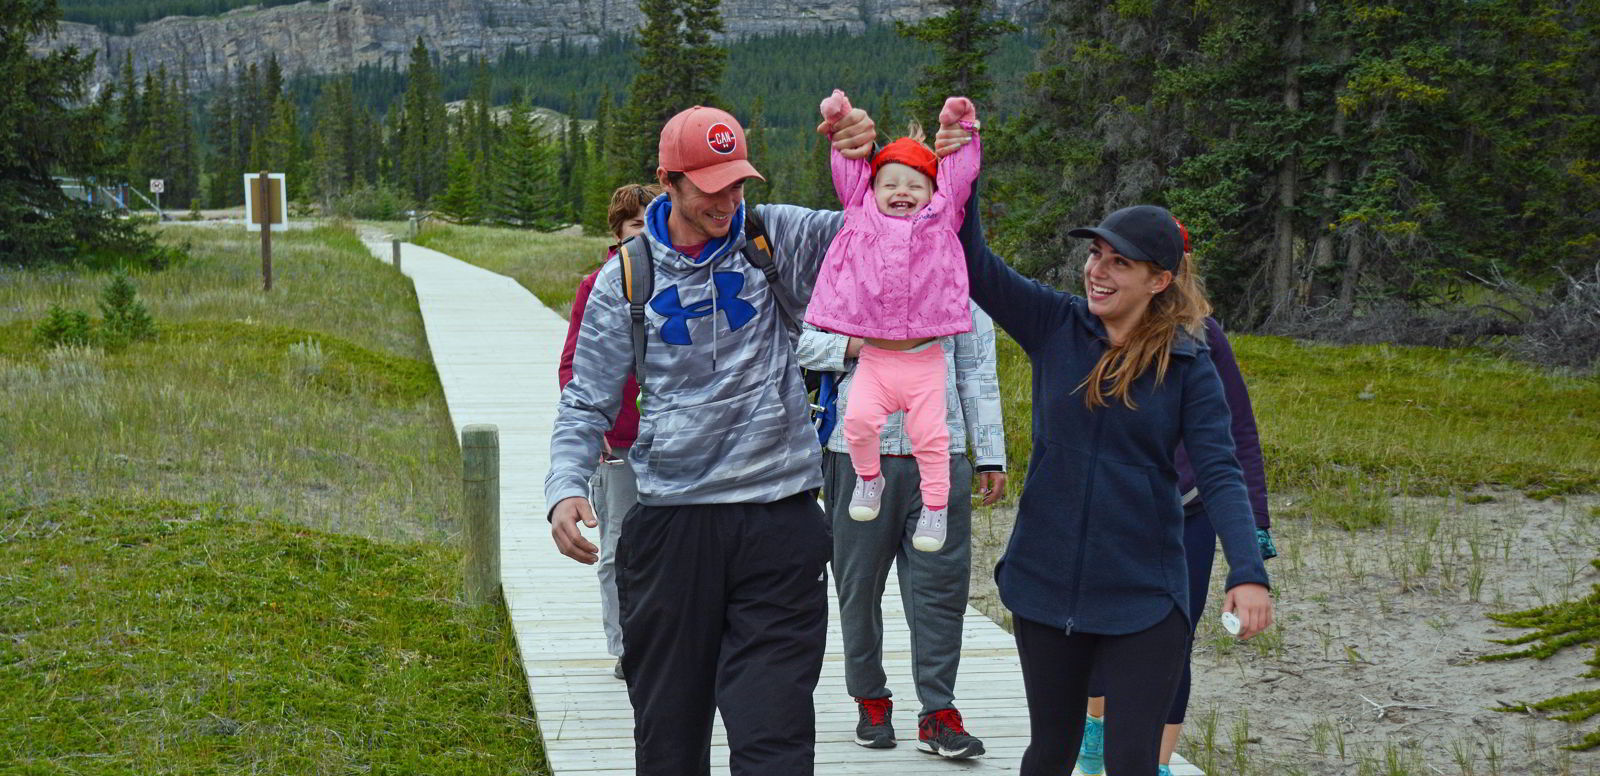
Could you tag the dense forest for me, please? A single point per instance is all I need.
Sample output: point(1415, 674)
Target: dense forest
point(119, 17)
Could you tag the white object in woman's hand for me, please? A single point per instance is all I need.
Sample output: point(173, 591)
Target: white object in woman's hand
point(1252, 604)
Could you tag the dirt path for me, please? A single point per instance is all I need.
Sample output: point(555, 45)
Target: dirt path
point(1372, 667)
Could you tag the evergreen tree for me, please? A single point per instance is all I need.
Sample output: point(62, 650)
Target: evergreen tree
point(965, 37)
point(755, 131)
point(334, 169)
point(224, 171)
point(679, 67)
point(461, 201)
point(47, 129)
point(525, 194)
point(280, 147)
point(421, 142)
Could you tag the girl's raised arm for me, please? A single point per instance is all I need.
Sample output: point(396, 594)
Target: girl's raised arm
point(851, 177)
point(959, 170)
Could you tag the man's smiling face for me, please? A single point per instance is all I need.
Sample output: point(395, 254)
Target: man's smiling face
point(700, 216)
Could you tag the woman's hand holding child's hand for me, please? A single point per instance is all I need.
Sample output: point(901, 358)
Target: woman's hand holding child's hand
point(952, 136)
point(957, 110)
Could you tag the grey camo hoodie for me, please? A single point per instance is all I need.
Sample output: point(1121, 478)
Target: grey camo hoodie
point(724, 417)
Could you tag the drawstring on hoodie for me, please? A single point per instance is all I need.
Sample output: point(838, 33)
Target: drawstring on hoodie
point(711, 275)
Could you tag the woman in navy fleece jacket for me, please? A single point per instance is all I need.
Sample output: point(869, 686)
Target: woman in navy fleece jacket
point(1095, 572)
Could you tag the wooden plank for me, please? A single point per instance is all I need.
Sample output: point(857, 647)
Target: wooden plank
point(495, 348)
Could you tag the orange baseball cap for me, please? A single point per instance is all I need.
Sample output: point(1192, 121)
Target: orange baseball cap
point(707, 145)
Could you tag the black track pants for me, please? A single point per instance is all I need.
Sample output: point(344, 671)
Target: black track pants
point(1140, 672)
point(724, 606)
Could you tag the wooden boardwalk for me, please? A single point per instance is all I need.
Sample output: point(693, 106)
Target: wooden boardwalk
point(496, 348)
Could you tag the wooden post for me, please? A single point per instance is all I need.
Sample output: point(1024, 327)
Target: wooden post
point(480, 476)
point(264, 200)
point(396, 261)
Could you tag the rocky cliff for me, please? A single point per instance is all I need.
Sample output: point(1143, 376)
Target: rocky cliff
point(328, 37)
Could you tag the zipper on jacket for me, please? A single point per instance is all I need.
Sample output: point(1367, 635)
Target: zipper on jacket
point(1083, 525)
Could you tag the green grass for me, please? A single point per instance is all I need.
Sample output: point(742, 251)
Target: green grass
point(549, 265)
point(315, 404)
point(158, 637)
point(1428, 419)
point(232, 549)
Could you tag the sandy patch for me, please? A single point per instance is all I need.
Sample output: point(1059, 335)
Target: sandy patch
point(1372, 666)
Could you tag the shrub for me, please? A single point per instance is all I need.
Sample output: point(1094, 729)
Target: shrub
point(124, 318)
point(64, 327)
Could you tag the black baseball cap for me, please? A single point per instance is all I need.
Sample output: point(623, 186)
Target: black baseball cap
point(1142, 233)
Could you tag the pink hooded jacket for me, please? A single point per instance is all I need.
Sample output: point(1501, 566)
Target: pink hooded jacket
point(898, 278)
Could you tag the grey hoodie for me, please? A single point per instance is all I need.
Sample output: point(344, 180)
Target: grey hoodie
point(724, 415)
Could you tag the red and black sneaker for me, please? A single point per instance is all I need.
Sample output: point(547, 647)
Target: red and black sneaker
point(941, 733)
point(873, 731)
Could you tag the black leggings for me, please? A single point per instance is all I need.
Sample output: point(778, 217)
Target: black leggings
point(1200, 546)
point(1140, 673)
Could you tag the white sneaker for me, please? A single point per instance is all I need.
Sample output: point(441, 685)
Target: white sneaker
point(866, 500)
point(929, 536)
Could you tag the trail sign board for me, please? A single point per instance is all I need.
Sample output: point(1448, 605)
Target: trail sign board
point(271, 208)
point(157, 186)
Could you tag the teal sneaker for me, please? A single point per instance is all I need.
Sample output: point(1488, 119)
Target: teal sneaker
point(1163, 770)
point(1092, 754)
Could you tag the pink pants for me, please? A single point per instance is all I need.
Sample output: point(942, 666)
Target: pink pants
point(890, 380)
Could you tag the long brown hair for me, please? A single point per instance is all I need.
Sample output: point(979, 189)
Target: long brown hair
point(1181, 305)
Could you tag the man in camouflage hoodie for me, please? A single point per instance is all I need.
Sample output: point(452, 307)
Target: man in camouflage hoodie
point(721, 568)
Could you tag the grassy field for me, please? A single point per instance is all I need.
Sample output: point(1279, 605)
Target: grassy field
point(315, 404)
point(163, 637)
point(232, 549)
point(549, 265)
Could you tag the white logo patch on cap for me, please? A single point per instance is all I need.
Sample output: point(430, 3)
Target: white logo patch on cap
point(721, 138)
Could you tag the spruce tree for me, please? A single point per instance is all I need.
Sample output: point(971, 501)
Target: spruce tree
point(461, 201)
point(964, 36)
point(421, 145)
point(47, 128)
point(525, 194)
point(680, 66)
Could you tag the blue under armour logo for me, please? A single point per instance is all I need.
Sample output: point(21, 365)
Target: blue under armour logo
point(675, 331)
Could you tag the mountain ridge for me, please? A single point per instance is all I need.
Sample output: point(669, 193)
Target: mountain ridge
point(339, 35)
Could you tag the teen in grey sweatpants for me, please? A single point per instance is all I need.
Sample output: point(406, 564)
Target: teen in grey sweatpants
point(614, 490)
point(933, 585)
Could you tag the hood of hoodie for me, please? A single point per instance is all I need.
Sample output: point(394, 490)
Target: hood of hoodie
point(655, 221)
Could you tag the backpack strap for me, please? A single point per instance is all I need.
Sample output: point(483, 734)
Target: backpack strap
point(758, 251)
point(638, 285)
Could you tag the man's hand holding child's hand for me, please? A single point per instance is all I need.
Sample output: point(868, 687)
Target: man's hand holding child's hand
point(852, 130)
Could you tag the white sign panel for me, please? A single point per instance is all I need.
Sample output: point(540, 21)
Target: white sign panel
point(277, 196)
point(157, 186)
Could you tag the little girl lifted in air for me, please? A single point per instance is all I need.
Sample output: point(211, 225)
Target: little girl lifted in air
point(895, 277)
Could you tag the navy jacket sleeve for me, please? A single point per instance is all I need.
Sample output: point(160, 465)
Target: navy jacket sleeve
point(1207, 437)
point(1028, 310)
point(1246, 439)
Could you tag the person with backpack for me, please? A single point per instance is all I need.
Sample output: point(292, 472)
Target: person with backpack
point(933, 585)
point(722, 580)
point(614, 488)
point(1094, 573)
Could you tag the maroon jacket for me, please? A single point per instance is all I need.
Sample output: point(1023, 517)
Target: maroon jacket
point(626, 428)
